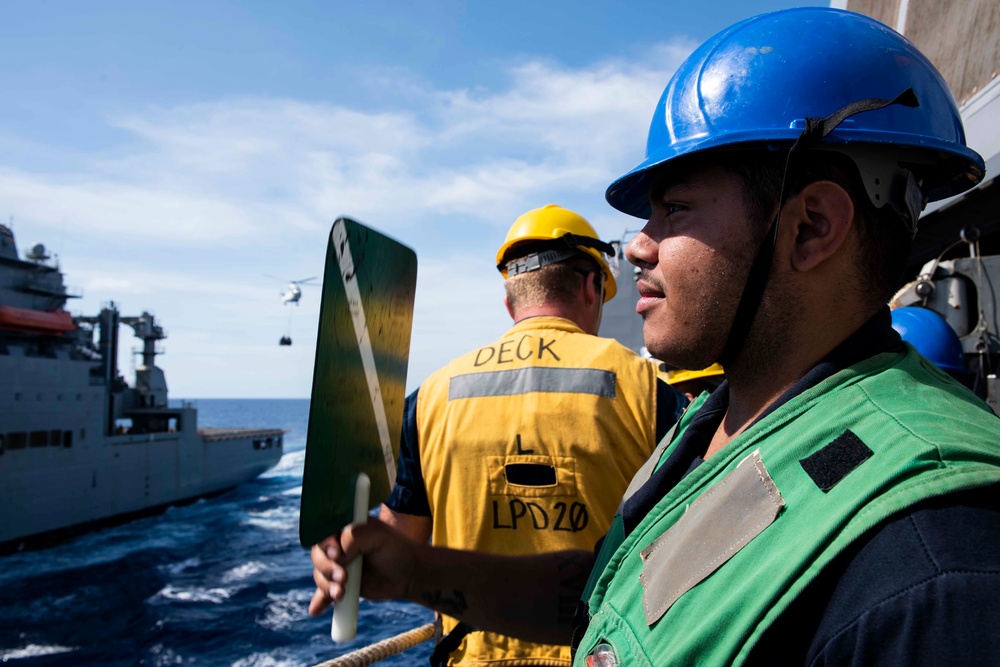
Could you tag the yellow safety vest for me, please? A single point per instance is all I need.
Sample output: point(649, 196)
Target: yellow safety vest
point(526, 446)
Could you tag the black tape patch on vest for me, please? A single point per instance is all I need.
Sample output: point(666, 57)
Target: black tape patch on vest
point(530, 474)
point(835, 461)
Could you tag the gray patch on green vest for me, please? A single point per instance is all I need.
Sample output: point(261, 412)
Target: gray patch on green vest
point(643, 474)
point(723, 520)
point(543, 379)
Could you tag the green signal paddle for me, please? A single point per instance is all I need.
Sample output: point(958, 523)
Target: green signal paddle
point(359, 384)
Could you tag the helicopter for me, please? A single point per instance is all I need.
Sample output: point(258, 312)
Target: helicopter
point(293, 292)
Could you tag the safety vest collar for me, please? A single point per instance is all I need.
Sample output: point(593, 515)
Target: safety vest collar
point(549, 322)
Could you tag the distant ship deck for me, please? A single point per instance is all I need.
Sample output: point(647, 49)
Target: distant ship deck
point(261, 434)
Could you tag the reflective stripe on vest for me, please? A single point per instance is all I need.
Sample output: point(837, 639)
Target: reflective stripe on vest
point(527, 380)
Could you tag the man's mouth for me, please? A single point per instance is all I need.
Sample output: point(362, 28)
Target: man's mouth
point(649, 296)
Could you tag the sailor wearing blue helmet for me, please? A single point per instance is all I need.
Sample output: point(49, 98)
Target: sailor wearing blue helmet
point(833, 502)
point(932, 337)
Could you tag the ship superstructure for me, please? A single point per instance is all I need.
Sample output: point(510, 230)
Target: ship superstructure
point(954, 268)
point(78, 445)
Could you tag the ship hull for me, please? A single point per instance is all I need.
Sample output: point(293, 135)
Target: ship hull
point(61, 472)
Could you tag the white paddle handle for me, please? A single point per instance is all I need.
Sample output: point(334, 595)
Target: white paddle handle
point(345, 611)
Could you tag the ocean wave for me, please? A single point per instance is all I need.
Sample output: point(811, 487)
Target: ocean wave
point(214, 583)
point(266, 660)
point(269, 524)
point(33, 651)
point(178, 568)
point(290, 465)
point(101, 547)
point(244, 571)
point(213, 595)
point(163, 655)
point(272, 512)
point(276, 518)
point(283, 610)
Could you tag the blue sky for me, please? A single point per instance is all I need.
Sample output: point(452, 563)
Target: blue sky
point(173, 153)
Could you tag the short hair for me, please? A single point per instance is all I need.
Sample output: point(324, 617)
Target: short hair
point(884, 238)
point(555, 283)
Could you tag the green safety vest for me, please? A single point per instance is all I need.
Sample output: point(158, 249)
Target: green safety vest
point(723, 554)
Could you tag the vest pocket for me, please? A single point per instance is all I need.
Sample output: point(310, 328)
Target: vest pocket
point(532, 475)
point(610, 638)
point(555, 508)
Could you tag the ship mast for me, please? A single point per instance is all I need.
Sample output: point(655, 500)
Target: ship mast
point(150, 382)
point(146, 329)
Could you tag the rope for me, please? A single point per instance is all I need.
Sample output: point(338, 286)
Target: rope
point(383, 649)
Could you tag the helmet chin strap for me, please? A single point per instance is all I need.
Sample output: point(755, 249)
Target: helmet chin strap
point(753, 290)
point(753, 294)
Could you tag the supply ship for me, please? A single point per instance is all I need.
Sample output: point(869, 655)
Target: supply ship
point(79, 447)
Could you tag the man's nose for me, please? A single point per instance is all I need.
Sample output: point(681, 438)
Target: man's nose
point(641, 250)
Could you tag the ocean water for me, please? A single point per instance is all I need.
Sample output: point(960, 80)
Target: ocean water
point(222, 581)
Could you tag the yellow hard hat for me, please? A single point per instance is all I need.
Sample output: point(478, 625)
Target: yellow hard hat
point(553, 223)
point(679, 375)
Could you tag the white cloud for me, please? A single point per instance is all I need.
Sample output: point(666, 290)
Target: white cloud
point(262, 179)
point(230, 168)
point(135, 278)
point(116, 207)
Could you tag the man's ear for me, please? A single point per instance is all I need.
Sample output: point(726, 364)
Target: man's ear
point(592, 292)
point(820, 218)
point(510, 311)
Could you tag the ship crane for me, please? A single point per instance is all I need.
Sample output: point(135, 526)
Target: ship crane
point(150, 382)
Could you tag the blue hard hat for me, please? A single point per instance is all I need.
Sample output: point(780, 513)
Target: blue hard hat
point(931, 335)
point(756, 83)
